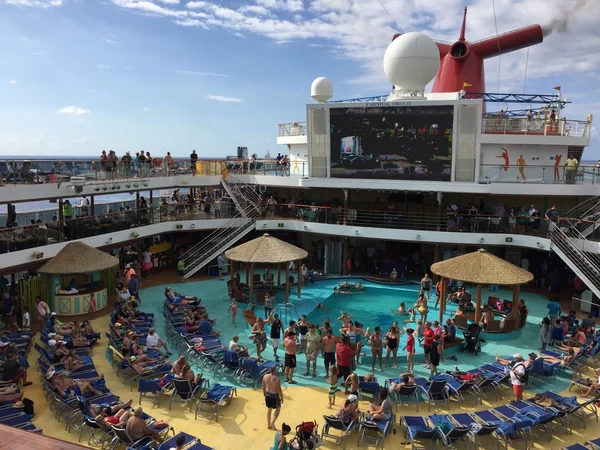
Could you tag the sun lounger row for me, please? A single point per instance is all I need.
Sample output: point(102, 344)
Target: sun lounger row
point(515, 421)
point(12, 411)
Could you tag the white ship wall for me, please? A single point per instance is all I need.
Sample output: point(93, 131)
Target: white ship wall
point(540, 162)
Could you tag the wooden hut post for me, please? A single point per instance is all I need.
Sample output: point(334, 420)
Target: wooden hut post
point(247, 274)
point(287, 283)
point(443, 295)
point(231, 263)
point(478, 304)
point(516, 296)
point(278, 274)
point(442, 302)
point(299, 278)
point(251, 283)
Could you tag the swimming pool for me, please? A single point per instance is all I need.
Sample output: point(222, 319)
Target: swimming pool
point(372, 308)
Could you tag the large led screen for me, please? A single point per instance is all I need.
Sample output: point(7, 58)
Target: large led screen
point(392, 142)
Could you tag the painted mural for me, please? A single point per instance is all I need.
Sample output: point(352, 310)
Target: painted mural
point(514, 163)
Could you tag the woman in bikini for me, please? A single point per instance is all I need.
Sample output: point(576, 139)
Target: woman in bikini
point(376, 348)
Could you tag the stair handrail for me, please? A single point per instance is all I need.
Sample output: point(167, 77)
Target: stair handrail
point(210, 251)
point(566, 246)
point(235, 223)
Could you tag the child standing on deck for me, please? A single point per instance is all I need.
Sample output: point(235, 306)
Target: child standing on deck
point(410, 350)
point(333, 380)
point(233, 310)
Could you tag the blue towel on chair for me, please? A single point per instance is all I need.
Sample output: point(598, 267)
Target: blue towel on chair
point(218, 391)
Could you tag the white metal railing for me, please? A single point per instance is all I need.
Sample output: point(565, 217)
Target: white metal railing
point(582, 262)
point(523, 125)
point(292, 129)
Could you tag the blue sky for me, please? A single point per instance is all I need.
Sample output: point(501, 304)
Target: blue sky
point(77, 76)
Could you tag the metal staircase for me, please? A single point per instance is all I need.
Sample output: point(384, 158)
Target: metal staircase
point(586, 216)
point(246, 201)
point(579, 254)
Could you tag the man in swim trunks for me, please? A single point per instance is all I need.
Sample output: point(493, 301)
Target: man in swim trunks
point(328, 342)
point(271, 387)
point(291, 348)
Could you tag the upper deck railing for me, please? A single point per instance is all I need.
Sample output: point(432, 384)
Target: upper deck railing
point(134, 174)
point(49, 231)
point(536, 127)
point(292, 129)
point(491, 125)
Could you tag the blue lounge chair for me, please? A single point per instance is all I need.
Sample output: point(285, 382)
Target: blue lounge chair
point(155, 387)
point(477, 429)
point(185, 390)
point(410, 392)
point(170, 443)
point(506, 431)
point(219, 395)
point(371, 389)
point(448, 431)
point(457, 388)
point(419, 432)
point(333, 423)
point(434, 392)
point(594, 444)
point(374, 431)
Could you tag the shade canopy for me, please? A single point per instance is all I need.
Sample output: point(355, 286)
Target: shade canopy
point(78, 257)
point(481, 267)
point(267, 250)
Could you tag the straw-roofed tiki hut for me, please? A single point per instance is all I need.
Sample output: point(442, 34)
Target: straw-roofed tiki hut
point(266, 250)
point(481, 268)
point(74, 274)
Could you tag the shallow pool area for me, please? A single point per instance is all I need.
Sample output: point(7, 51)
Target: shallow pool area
point(372, 308)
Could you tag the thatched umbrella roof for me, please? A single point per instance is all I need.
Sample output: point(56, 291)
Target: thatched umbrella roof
point(78, 257)
point(267, 250)
point(481, 267)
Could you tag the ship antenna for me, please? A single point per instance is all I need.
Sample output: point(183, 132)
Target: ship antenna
point(464, 26)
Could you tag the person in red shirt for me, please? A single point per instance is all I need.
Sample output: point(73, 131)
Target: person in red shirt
point(410, 350)
point(344, 355)
point(428, 337)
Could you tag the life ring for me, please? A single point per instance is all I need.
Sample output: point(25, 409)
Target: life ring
point(349, 263)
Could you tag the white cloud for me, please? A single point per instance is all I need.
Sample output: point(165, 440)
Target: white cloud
point(220, 98)
point(39, 53)
point(204, 74)
point(255, 9)
point(284, 5)
point(74, 111)
point(169, 2)
point(240, 35)
point(110, 41)
point(360, 31)
point(145, 108)
point(80, 141)
point(103, 66)
point(12, 82)
point(35, 3)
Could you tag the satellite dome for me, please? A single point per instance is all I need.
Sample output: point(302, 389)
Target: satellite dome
point(411, 61)
point(321, 89)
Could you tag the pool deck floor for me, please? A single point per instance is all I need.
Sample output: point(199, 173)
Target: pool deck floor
point(243, 423)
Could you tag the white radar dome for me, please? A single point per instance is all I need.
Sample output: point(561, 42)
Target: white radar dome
point(411, 61)
point(321, 89)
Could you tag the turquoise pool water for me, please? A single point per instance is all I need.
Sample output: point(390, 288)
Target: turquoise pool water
point(371, 308)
